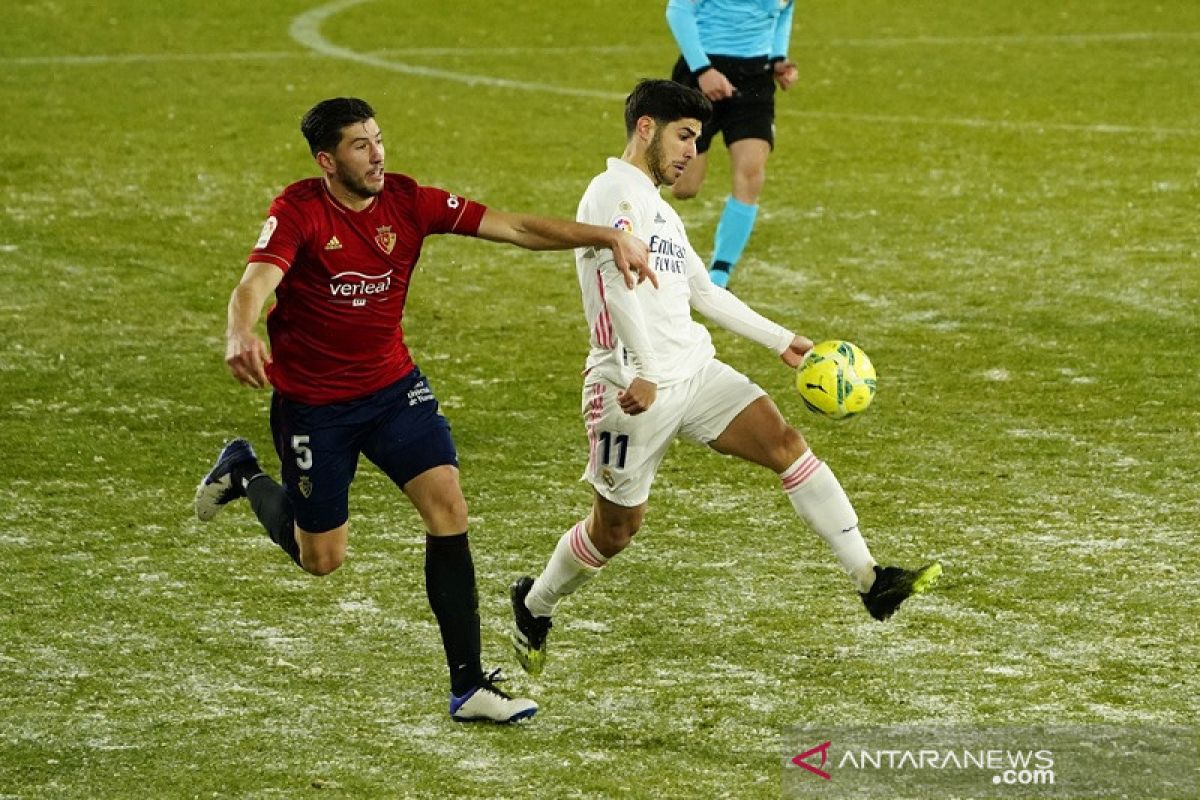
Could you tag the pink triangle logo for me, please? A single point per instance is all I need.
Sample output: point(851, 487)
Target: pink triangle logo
point(823, 749)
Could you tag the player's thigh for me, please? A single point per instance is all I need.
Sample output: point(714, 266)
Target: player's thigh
point(750, 114)
point(759, 434)
point(715, 396)
point(412, 445)
point(624, 451)
point(437, 495)
point(318, 453)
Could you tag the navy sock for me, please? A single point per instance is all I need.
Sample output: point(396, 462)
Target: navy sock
point(274, 510)
point(450, 586)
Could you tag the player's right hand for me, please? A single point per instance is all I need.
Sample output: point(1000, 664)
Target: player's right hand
point(637, 397)
point(246, 357)
point(715, 85)
point(796, 351)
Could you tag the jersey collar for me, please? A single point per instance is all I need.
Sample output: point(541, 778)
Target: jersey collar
point(338, 205)
point(625, 168)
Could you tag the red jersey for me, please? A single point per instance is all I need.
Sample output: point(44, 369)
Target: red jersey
point(336, 327)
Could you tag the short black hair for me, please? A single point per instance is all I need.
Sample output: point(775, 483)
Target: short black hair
point(664, 101)
point(322, 125)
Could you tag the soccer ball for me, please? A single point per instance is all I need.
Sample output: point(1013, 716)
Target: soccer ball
point(836, 379)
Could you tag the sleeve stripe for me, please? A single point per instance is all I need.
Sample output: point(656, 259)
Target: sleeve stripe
point(269, 258)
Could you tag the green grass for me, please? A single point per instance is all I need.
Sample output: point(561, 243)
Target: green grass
point(998, 206)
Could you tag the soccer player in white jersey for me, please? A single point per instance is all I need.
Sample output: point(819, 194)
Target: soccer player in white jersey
point(652, 375)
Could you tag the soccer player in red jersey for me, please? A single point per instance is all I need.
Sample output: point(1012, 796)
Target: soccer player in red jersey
point(338, 251)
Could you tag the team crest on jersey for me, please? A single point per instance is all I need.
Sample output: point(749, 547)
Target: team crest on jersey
point(385, 238)
point(305, 486)
point(623, 223)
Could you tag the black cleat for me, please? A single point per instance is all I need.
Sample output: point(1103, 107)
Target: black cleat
point(218, 487)
point(529, 632)
point(894, 585)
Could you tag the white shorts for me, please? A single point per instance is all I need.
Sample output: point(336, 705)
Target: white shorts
point(624, 451)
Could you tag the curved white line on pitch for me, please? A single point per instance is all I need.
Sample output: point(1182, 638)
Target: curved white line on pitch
point(306, 29)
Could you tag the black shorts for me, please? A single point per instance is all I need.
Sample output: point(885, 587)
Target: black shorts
point(399, 428)
point(750, 113)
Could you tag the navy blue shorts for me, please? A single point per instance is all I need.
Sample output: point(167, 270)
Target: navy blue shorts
point(749, 114)
point(399, 429)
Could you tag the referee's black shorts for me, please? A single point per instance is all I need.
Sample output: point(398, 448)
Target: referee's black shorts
point(750, 113)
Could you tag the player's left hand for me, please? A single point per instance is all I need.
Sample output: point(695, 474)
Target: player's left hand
point(786, 74)
point(796, 350)
point(633, 256)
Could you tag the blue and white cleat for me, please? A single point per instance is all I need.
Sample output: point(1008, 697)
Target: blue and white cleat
point(218, 487)
point(486, 703)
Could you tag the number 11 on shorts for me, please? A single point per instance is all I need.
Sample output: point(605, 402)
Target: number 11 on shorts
point(608, 443)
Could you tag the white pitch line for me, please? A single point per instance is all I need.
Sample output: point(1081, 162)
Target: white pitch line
point(992, 124)
point(144, 58)
point(306, 29)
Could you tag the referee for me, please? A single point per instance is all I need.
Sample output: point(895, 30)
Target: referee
point(734, 51)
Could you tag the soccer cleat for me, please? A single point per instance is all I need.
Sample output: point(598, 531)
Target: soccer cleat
point(218, 487)
point(894, 585)
point(486, 703)
point(529, 632)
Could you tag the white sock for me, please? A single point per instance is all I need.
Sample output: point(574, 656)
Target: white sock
point(575, 562)
point(821, 502)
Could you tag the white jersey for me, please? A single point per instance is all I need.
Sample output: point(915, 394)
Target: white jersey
point(648, 332)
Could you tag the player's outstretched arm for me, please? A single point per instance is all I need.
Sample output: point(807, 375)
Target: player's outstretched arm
point(728, 311)
point(245, 353)
point(544, 233)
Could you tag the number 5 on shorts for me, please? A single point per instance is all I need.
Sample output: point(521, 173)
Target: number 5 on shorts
point(304, 457)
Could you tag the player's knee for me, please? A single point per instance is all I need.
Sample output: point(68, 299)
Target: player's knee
point(321, 564)
point(623, 534)
point(748, 183)
point(614, 536)
point(789, 447)
point(448, 514)
point(322, 553)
